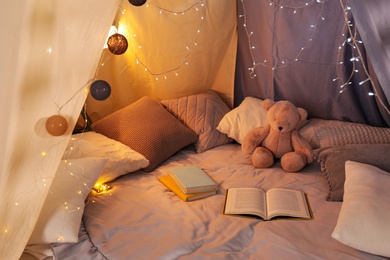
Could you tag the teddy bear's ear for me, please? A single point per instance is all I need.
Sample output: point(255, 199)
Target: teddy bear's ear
point(267, 104)
point(302, 113)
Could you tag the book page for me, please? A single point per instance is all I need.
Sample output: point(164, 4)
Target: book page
point(245, 201)
point(285, 202)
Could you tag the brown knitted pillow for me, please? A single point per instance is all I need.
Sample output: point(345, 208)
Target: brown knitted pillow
point(148, 128)
point(332, 161)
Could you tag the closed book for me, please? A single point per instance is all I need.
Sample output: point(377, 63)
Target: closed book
point(172, 185)
point(192, 179)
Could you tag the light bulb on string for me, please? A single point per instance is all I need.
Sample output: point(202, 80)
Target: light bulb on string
point(161, 10)
point(100, 90)
point(56, 125)
point(117, 44)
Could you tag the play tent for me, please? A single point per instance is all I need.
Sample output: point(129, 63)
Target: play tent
point(53, 51)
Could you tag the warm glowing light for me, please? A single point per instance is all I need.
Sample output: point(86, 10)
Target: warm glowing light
point(101, 188)
point(197, 6)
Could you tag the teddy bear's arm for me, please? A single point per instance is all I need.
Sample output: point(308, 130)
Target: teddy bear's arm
point(301, 145)
point(253, 138)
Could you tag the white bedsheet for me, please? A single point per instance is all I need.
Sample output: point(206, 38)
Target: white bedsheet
point(140, 219)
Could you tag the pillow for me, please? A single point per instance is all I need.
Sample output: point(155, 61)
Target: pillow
point(332, 161)
point(121, 159)
point(352, 133)
point(314, 125)
point(39, 251)
point(363, 221)
point(201, 113)
point(60, 217)
point(242, 119)
point(148, 128)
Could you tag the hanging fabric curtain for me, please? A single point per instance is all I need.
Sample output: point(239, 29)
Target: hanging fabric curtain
point(311, 53)
point(175, 48)
point(49, 54)
point(373, 22)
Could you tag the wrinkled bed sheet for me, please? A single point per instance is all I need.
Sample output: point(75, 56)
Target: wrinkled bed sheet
point(140, 219)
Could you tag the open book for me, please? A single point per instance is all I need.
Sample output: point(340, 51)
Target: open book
point(277, 202)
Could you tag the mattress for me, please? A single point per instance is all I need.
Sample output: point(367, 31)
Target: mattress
point(139, 218)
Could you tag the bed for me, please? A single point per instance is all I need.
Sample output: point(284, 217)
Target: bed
point(136, 217)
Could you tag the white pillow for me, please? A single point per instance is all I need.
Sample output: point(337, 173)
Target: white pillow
point(60, 217)
point(364, 220)
point(242, 119)
point(121, 158)
point(39, 251)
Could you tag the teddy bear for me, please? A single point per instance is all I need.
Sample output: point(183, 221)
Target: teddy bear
point(279, 138)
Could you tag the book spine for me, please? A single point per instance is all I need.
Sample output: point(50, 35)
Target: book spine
point(178, 182)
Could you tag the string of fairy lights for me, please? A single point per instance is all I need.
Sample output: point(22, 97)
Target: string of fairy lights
point(312, 29)
point(356, 57)
point(352, 40)
point(197, 7)
point(57, 125)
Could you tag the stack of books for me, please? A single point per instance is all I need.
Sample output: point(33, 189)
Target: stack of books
point(189, 183)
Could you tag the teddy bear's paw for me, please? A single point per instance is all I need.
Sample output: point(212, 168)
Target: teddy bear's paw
point(293, 161)
point(262, 158)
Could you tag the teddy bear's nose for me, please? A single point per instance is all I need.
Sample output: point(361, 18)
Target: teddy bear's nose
point(280, 128)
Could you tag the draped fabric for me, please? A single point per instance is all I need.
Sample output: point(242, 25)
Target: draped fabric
point(175, 48)
point(373, 22)
point(49, 54)
point(311, 53)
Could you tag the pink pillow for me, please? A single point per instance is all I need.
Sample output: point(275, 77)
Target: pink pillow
point(202, 113)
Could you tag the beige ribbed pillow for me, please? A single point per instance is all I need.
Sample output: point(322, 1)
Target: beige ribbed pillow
point(148, 128)
point(202, 113)
point(352, 133)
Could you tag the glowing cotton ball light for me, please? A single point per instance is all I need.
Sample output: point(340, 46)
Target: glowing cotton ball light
point(56, 125)
point(117, 44)
point(100, 90)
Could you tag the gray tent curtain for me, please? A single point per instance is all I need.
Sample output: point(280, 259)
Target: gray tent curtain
point(310, 53)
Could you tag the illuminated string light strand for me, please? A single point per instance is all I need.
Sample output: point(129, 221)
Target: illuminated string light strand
point(283, 63)
point(353, 42)
point(7, 229)
point(350, 41)
point(295, 6)
point(162, 9)
point(40, 181)
point(196, 6)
